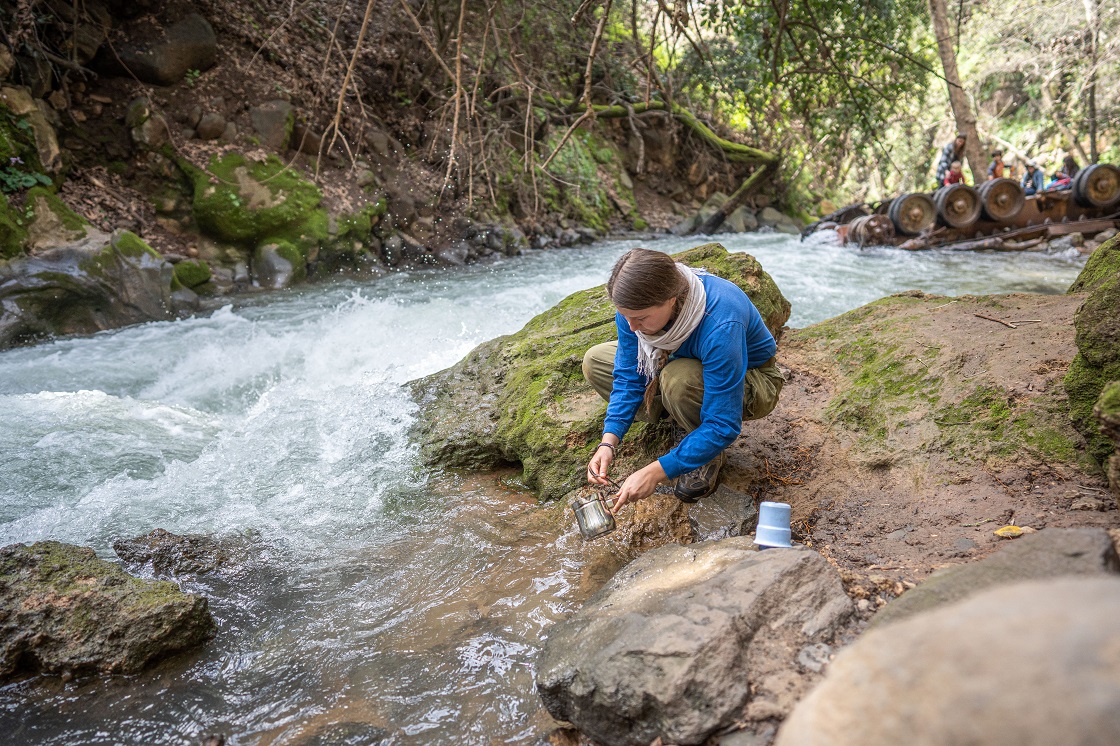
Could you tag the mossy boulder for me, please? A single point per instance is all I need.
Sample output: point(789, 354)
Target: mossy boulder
point(50, 222)
point(191, 273)
point(1107, 412)
point(13, 230)
point(63, 610)
point(522, 398)
point(278, 263)
point(1103, 263)
point(98, 282)
point(1097, 362)
point(246, 201)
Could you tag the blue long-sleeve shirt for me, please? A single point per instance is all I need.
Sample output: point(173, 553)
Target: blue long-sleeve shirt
point(729, 340)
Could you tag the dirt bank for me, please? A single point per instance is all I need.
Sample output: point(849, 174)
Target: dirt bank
point(912, 428)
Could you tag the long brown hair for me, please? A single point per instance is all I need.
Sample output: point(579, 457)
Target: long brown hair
point(641, 279)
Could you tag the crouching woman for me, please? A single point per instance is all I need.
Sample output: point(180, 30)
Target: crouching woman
point(691, 346)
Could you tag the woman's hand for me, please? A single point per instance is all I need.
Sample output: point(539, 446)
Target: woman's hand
point(639, 485)
point(598, 469)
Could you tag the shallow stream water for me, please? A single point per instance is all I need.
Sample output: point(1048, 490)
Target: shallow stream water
point(371, 597)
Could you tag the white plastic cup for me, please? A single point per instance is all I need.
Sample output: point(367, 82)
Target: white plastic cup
point(773, 526)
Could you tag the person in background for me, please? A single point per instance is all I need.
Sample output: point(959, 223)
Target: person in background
point(1032, 179)
point(1057, 182)
point(953, 151)
point(995, 168)
point(1070, 167)
point(955, 176)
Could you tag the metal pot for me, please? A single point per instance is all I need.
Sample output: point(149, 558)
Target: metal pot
point(593, 515)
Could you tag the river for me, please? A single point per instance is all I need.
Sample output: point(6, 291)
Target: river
point(394, 604)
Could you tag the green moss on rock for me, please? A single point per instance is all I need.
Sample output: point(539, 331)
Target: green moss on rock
point(1103, 264)
point(900, 395)
point(49, 221)
point(64, 610)
point(522, 398)
point(192, 272)
point(243, 201)
point(13, 234)
point(1097, 362)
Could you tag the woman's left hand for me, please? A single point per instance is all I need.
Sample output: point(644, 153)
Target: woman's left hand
point(639, 485)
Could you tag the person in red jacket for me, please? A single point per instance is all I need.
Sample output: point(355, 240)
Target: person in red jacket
point(955, 175)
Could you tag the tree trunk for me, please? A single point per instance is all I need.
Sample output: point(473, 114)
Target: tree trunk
point(962, 110)
point(1093, 19)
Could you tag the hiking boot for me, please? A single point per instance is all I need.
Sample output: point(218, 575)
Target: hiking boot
point(699, 483)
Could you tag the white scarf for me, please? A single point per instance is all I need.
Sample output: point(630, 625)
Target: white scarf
point(690, 316)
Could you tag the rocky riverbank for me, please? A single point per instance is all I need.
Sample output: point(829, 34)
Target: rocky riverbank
point(235, 183)
point(915, 434)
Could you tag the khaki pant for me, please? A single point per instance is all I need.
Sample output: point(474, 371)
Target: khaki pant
point(681, 389)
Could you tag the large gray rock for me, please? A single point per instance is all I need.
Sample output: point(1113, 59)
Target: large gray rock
point(98, 282)
point(1047, 554)
point(63, 610)
point(675, 644)
point(165, 56)
point(1032, 663)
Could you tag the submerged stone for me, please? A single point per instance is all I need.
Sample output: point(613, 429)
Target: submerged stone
point(63, 610)
point(522, 398)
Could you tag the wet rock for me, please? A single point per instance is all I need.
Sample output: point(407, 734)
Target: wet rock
point(455, 254)
point(545, 416)
point(99, 282)
point(210, 126)
point(1050, 553)
point(685, 640)
point(277, 264)
point(1027, 663)
point(726, 512)
point(162, 56)
point(166, 554)
point(1105, 235)
point(392, 250)
point(1064, 243)
point(273, 121)
point(63, 610)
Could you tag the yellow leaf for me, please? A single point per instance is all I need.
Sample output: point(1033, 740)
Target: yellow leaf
point(1008, 532)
